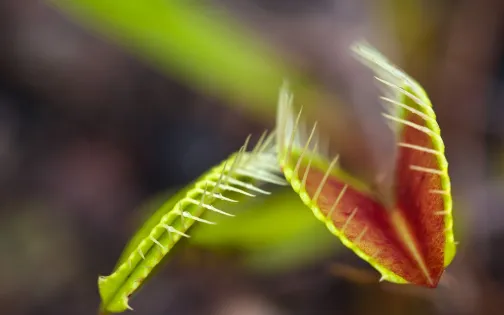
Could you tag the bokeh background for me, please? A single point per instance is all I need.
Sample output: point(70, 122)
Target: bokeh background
point(108, 107)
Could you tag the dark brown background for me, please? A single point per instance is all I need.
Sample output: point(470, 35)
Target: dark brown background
point(88, 133)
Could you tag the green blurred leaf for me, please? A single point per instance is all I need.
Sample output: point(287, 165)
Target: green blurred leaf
point(209, 51)
point(274, 232)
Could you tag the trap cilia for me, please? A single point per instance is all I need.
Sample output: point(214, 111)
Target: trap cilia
point(408, 241)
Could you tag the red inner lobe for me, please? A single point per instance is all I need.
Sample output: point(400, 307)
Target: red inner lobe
point(370, 228)
point(415, 200)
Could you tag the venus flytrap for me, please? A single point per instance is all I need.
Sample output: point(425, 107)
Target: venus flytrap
point(236, 176)
point(408, 240)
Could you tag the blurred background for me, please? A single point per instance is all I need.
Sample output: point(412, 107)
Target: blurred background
point(108, 107)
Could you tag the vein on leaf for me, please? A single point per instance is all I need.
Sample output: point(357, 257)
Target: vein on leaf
point(338, 199)
point(349, 219)
point(361, 235)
